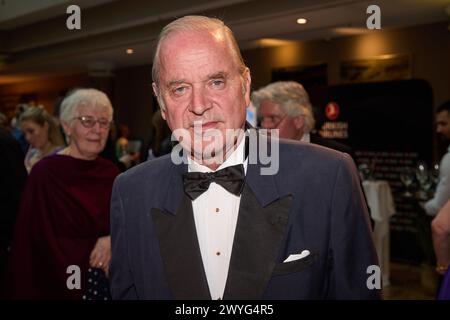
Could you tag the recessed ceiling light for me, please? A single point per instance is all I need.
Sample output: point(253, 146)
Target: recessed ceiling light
point(302, 21)
point(130, 51)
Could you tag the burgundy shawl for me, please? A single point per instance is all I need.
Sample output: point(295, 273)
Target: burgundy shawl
point(64, 210)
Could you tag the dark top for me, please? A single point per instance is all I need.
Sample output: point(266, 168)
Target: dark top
point(12, 179)
point(64, 210)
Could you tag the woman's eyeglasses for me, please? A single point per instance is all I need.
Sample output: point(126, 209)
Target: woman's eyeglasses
point(89, 122)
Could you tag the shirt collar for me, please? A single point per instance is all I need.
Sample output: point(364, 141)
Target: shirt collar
point(306, 138)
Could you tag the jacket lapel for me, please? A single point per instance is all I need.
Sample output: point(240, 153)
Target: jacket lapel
point(180, 252)
point(258, 236)
point(261, 227)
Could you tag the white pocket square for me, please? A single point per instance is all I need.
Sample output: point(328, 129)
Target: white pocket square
point(294, 257)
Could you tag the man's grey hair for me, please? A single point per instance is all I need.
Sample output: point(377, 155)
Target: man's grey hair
point(292, 98)
point(195, 23)
point(82, 98)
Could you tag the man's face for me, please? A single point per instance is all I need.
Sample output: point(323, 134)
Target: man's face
point(199, 81)
point(443, 124)
point(273, 117)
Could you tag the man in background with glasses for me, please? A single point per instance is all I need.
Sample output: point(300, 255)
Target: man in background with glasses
point(285, 105)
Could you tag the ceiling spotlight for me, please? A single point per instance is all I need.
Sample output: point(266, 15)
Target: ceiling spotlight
point(130, 51)
point(302, 21)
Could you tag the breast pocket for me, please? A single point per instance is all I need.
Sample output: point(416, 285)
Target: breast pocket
point(295, 266)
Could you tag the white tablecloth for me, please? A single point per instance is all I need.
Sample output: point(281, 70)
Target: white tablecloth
point(381, 204)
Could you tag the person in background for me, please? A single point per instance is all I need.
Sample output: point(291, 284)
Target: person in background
point(109, 152)
point(42, 133)
point(15, 127)
point(12, 179)
point(124, 154)
point(161, 143)
point(63, 220)
point(442, 194)
point(122, 141)
point(440, 227)
point(3, 121)
point(285, 105)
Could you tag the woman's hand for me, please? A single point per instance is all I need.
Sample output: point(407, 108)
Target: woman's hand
point(101, 254)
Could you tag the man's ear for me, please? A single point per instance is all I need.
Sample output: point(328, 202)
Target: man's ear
point(163, 113)
point(299, 122)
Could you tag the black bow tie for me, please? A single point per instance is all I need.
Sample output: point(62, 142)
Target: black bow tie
point(231, 178)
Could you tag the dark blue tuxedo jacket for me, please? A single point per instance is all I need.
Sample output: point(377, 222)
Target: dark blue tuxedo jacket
point(313, 203)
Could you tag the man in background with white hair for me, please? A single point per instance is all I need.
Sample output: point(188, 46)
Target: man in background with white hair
point(285, 105)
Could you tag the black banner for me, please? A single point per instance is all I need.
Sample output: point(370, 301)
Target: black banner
point(389, 126)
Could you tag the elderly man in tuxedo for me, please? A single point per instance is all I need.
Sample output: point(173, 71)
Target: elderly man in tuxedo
point(215, 225)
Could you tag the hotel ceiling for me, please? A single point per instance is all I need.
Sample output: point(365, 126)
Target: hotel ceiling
point(35, 41)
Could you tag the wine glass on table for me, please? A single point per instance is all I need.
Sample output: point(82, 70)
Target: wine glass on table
point(435, 175)
point(424, 179)
point(407, 179)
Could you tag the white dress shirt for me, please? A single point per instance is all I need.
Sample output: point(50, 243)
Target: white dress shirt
point(215, 214)
point(442, 194)
point(306, 138)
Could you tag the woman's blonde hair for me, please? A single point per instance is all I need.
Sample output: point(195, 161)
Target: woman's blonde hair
point(41, 117)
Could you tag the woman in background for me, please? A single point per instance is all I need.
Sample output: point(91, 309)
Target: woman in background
point(62, 247)
point(161, 143)
point(42, 133)
point(122, 141)
point(440, 227)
